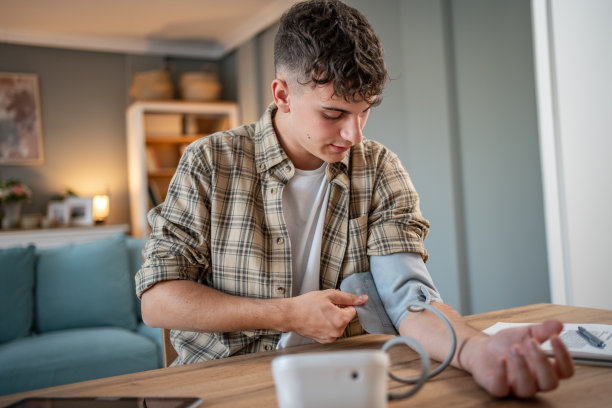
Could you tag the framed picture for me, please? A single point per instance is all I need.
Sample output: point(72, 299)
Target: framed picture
point(20, 120)
point(81, 211)
point(58, 211)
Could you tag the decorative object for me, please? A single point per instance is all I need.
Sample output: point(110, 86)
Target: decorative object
point(31, 221)
point(12, 195)
point(20, 120)
point(100, 208)
point(58, 214)
point(152, 85)
point(81, 211)
point(200, 85)
point(11, 215)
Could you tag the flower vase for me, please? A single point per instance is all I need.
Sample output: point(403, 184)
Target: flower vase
point(11, 215)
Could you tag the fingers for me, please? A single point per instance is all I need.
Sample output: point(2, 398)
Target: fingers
point(546, 376)
point(499, 387)
point(535, 372)
point(324, 315)
point(346, 299)
point(543, 331)
point(524, 385)
point(563, 360)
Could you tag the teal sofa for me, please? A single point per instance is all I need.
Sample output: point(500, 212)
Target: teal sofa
point(70, 314)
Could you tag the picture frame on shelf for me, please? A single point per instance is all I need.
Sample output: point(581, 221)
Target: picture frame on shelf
point(58, 211)
point(20, 120)
point(81, 211)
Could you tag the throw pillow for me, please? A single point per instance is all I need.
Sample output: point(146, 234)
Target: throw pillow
point(16, 292)
point(85, 285)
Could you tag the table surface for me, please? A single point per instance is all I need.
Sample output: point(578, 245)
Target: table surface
point(246, 381)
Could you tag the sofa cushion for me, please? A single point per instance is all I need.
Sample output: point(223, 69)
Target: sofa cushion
point(16, 292)
point(68, 356)
point(85, 285)
point(154, 334)
point(134, 248)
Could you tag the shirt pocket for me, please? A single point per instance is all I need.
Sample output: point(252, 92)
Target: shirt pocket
point(356, 259)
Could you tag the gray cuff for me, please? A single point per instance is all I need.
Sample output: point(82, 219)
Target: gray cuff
point(372, 314)
point(401, 279)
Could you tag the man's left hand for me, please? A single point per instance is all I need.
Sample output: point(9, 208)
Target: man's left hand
point(512, 362)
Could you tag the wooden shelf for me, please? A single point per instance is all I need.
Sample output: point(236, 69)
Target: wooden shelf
point(157, 134)
point(169, 172)
point(177, 139)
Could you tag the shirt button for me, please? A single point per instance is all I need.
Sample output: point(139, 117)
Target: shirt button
point(280, 290)
point(273, 191)
point(268, 347)
point(288, 168)
point(280, 241)
point(262, 166)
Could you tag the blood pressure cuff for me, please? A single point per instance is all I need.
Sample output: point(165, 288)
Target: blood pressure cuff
point(394, 282)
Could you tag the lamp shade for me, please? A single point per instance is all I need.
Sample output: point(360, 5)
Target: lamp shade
point(100, 207)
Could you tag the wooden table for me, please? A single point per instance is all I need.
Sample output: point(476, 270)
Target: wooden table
point(246, 381)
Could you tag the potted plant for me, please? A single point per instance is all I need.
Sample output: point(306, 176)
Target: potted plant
point(13, 194)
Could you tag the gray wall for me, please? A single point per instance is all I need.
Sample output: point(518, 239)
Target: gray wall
point(497, 126)
point(466, 129)
point(83, 100)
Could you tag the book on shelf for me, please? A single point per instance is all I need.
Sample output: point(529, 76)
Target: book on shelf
point(580, 349)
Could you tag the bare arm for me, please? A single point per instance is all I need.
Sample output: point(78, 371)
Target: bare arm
point(187, 305)
point(510, 362)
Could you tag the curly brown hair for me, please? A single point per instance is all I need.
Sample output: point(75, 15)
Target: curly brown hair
point(323, 41)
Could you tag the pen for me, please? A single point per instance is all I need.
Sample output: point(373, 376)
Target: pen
point(591, 338)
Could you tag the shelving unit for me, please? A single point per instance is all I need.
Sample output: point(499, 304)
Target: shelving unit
point(157, 134)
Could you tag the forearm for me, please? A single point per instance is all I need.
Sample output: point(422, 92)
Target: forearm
point(432, 334)
point(188, 305)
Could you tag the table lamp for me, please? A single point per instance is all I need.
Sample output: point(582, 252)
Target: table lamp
point(100, 208)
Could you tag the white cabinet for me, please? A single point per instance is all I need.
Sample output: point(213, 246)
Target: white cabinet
point(157, 134)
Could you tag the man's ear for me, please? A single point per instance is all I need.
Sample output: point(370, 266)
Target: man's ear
point(280, 92)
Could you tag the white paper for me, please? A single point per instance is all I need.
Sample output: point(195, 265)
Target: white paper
point(577, 345)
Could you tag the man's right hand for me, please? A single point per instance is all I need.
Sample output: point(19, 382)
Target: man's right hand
point(323, 315)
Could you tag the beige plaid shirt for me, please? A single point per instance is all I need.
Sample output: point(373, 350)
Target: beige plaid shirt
point(222, 225)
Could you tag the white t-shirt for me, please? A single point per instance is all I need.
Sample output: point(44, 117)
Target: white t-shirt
point(304, 203)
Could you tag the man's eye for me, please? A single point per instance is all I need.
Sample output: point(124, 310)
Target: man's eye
point(332, 117)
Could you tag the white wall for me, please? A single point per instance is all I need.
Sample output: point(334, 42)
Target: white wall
point(574, 60)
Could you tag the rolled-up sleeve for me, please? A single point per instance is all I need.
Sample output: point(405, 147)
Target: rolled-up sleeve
point(395, 222)
point(178, 247)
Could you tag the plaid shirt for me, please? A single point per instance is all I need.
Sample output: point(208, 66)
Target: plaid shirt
point(222, 225)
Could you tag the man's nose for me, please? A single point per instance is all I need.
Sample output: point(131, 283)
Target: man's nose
point(351, 131)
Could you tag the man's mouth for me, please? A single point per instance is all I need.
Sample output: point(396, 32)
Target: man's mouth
point(340, 149)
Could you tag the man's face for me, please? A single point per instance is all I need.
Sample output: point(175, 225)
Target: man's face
point(321, 127)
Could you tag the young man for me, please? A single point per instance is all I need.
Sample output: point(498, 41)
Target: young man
point(262, 223)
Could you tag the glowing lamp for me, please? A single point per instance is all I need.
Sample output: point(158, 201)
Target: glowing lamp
point(100, 208)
